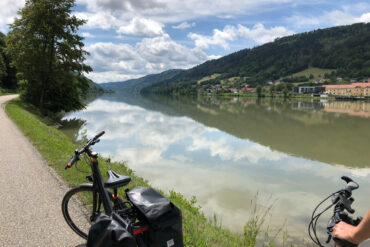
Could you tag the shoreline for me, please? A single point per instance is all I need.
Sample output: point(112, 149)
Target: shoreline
point(198, 229)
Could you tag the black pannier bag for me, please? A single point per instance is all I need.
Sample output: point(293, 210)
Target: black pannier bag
point(163, 217)
point(107, 232)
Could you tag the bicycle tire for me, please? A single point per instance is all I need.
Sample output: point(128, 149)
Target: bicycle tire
point(79, 210)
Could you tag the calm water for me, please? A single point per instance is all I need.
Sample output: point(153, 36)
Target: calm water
point(224, 152)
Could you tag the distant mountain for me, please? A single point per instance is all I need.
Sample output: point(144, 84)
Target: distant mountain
point(344, 49)
point(94, 87)
point(136, 85)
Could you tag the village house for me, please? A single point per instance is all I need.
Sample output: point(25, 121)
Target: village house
point(357, 89)
point(309, 89)
point(248, 90)
point(319, 80)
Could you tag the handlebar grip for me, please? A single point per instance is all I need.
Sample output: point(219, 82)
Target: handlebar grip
point(99, 135)
point(343, 242)
point(73, 160)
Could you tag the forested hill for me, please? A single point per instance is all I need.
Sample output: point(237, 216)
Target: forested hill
point(345, 49)
point(135, 85)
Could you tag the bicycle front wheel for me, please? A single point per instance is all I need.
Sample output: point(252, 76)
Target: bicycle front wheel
point(81, 206)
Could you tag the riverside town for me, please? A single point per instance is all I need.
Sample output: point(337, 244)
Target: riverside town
point(184, 123)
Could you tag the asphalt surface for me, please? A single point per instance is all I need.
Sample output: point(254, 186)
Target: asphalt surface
point(30, 193)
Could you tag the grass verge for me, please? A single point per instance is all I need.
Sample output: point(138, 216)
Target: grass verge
point(56, 148)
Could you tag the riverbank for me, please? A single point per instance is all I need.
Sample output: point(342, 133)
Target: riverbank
point(56, 148)
point(268, 95)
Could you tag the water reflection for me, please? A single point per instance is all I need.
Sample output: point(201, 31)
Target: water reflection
point(302, 129)
point(225, 151)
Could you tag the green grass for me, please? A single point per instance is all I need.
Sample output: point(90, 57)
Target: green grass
point(316, 72)
point(199, 231)
point(207, 78)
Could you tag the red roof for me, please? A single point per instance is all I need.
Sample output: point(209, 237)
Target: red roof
point(348, 86)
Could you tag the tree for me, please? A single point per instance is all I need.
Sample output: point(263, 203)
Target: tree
point(7, 72)
point(259, 91)
point(3, 73)
point(272, 90)
point(285, 92)
point(48, 54)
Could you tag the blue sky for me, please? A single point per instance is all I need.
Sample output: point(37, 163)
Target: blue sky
point(132, 38)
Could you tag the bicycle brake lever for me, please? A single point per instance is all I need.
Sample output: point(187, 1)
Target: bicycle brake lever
point(329, 238)
point(347, 203)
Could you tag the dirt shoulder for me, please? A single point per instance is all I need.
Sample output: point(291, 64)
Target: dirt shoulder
point(30, 193)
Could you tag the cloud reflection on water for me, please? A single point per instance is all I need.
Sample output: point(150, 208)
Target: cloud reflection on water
point(222, 171)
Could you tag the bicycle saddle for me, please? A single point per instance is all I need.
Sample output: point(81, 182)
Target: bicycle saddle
point(116, 180)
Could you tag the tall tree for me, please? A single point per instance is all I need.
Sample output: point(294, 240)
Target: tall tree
point(3, 72)
point(7, 72)
point(48, 54)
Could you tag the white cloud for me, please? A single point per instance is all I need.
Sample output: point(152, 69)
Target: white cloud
point(87, 35)
point(175, 11)
point(340, 18)
point(102, 20)
point(345, 16)
point(184, 25)
point(119, 5)
point(163, 49)
point(8, 11)
point(222, 38)
point(254, 152)
point(219, 38)
point(151, 55)
point(262, 35)
point(110, 76)
point(142, 27)
point(365, 17)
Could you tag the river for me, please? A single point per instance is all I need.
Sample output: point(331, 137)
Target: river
point(231, 151)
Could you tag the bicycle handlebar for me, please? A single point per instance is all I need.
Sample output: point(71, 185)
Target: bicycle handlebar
point(99, 135)
point(76, 156)
point(342, 201)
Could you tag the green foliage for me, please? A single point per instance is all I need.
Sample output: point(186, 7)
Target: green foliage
point(7, 72)
point(259, 91)
point(48, 55)
point(136, 85)
point(343, 50)
point(2, 57)
point(6, 91)
point(316, 72)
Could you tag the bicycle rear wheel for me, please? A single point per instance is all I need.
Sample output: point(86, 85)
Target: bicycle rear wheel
point(81, 206)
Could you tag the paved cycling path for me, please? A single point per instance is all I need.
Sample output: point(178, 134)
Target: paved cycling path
point(30, 193)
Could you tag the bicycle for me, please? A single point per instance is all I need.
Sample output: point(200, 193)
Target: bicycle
point(149, 217)
point(342, 201)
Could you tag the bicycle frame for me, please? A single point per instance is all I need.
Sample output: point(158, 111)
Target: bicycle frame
point(98, 182)
point(98, 188)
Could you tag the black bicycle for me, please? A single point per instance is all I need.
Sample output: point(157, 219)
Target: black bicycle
point(149, 217)
point(342, 201)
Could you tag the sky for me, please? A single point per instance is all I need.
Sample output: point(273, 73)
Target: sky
point(132, 38)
